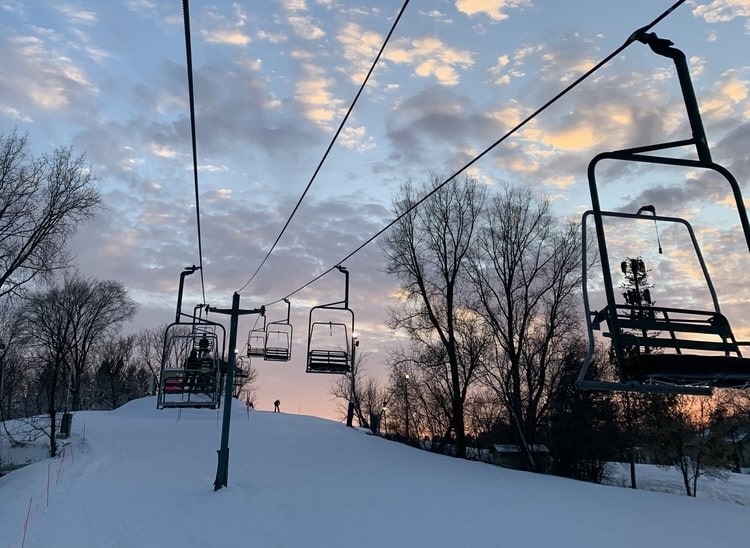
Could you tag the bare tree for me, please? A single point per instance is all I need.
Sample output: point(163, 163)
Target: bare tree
point(61, 326)
point(118, 378)
point(10, 368)
point(485, 415)
point(47, 342)
point(686, 440)
point(96, 309)
point(732, 417)
point(410, 408)
point(245, 379)
point(149, 346)
point(426, 250)
point(42, 202)
point(582, 430)
point(359, 388)
point(526, 274)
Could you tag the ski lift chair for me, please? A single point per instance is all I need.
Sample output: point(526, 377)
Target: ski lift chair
point(670, 350)
point(189, 370)
point(278, 341)
point(256, 341)
point(329, 340)
point(329, 344)
point(193, 382)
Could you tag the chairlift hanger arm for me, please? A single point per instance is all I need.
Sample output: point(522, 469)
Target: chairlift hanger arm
point(288, 310)
point(663, 47)
point(186, 272)
point(335, 305)
point(345, 272)
point(239, 312)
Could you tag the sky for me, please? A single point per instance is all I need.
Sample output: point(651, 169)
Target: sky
point(141, 477)
point(272, 83)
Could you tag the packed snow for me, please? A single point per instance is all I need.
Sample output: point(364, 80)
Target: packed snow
point(139, 477)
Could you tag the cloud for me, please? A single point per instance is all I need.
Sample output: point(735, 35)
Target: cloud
point(225, 29)
point(314, 95)
point(499, 76)
point(438, 116)
point(36, 75)
point(232, 37)
point(728, 98)
point(74, 15)
point(355, 138)
point(722, 11)
point(360, 47)
point(304, 27)
point(494, 9)
point(15, 114)
point(431, 57)
point(162, 151)
point(437, 15)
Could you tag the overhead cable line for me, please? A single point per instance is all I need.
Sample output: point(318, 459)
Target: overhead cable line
point(189, 55)
point(330, 146)
point(632, 38)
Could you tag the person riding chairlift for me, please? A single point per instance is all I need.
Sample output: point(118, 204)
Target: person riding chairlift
point(192, 367)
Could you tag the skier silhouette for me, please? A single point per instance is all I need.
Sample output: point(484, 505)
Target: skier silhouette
point(276, 406)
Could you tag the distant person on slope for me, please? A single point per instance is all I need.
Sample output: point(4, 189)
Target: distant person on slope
point(276, 405)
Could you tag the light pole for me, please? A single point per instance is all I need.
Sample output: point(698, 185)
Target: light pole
point(385, 420)
point(2, 374)
point(406, 400)
point(350, 410)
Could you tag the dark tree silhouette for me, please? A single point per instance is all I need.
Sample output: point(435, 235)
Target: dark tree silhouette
point(42, 202)
point(427, 250)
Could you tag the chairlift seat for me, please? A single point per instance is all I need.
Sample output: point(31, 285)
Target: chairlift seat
point(203, 383)
point(173, 385)
point(702, 349)
point(327, 361)
point(255, 351)
point(276, 353)
point(278, 342)
point(688, 369)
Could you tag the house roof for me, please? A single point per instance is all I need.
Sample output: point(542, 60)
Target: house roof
point(513, 448)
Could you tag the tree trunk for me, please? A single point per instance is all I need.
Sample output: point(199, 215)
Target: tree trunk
point(683, 466)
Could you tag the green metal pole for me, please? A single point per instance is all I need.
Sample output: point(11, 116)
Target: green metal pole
point(222, 471)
